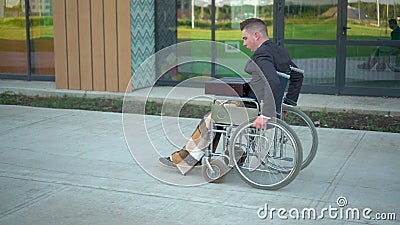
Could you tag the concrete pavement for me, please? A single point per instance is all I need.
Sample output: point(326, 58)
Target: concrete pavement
point(77, 167)
point(80, 167)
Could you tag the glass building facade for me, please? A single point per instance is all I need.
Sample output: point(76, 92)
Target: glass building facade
point(345, 47)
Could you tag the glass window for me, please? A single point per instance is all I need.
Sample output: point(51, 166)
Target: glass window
point(42, 38)
point(307, 20)
point(376, 64)
point(368, 20)
point(311, 20)
point(373, 66)
point(194, 20)
point(229, 14)
point(13, 56)
point(13, 48)
point(194, 23)
point(318, 64)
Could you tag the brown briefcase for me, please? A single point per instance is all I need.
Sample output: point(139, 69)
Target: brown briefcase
point(228, 86)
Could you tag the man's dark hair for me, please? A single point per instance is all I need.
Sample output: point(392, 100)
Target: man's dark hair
point(252, 22)
point(393, 21)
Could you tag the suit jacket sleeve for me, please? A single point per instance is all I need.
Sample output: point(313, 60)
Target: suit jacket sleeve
point(264, 62)
point(261, 83)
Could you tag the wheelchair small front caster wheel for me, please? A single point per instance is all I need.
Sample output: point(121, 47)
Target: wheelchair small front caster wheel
point(213, 171)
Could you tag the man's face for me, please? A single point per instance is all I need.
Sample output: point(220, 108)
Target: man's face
point(250, 40)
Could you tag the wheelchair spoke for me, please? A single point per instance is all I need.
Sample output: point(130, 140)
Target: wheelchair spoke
point(272, 155)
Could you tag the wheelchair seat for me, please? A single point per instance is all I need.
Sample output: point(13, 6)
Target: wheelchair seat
point(233, 112)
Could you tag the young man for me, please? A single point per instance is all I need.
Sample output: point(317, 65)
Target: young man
point(268, 58)
point(395, 34)
point(377, 59)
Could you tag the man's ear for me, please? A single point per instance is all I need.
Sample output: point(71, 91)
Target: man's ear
point(257, 35)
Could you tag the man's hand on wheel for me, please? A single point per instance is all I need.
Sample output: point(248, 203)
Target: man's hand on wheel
point(260, 122)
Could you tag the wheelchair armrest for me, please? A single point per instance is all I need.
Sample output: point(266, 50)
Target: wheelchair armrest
point(225, 99)
point(224, 112)
point(296, 69)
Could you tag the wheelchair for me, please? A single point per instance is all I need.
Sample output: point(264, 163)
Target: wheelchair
point(384, 58)
point(268, 158)
point(299, 121)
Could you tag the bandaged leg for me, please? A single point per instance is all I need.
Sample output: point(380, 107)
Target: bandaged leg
point(191, 154)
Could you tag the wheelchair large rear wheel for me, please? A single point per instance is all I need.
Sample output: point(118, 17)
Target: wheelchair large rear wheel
point(305, 130)
point(270, 158)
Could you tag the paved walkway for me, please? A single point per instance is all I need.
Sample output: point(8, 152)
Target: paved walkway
point(78, 167)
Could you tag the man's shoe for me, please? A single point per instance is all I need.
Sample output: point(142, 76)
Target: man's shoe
point(166, 161)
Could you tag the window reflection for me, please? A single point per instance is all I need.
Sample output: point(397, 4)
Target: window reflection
point(369, 19)
point(313, 20)
point(194, 23)
point(13, 58)
point(373, 66)
point(42, 41)
point(13, 48)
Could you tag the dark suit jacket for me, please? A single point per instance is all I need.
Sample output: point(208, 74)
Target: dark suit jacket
point(395, 34)
point(264, 63)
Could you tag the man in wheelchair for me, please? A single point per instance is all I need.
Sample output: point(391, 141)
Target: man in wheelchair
point(267, 59)
point(381, 58)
